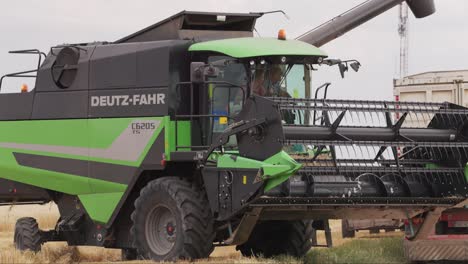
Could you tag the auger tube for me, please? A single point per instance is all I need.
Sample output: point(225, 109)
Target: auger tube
point(366, 133)
point(359, 15)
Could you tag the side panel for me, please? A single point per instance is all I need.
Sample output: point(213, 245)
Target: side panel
point(94, 159)
point(13, 192)
point(60, 105)
point(119, 161)
point(183, 130)
point(16, 106)
point(130, 65)
point(43, 138)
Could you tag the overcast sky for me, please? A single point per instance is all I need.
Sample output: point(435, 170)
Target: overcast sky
point(439, 42)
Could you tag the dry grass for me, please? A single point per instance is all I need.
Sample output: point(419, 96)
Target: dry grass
point(370, 250)
point(46, 215)
point(365, 247)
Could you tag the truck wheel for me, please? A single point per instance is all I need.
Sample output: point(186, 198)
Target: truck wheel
point(273, 238)
point(172, 220)
point(346, 231)
point(27, 235)
point(129, 254)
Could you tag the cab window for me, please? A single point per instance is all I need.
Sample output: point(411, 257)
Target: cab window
point(226, 92)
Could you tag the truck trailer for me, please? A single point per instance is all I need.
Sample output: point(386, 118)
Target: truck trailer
point(447, 238)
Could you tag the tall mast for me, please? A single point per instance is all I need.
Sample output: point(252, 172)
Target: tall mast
point(403, 31)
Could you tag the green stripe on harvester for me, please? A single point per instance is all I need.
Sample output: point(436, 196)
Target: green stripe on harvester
point(128, 146)
point(97, 205)
point(107, 140)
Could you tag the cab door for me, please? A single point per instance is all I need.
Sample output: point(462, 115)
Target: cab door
point(226, 95)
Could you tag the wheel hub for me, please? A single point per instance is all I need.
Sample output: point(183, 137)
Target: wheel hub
point(161, 230)
point(170, 229)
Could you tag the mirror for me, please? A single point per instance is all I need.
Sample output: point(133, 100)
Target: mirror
point(355, 66)
point(343, 68)
point(210, 72)
point(196, 72)
point(331, 62)
point(343, 65)
point(200, 72)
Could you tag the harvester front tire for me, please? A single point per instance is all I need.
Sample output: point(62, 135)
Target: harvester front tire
point(172, 220)
point(129, 254)
point(274, 238)
point(27, 235)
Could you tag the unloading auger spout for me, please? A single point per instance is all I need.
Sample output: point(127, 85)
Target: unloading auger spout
point(357, 16)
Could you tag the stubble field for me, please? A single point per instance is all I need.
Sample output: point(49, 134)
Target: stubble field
point(365, 248)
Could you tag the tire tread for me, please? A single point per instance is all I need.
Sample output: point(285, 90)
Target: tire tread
point(293, 238)
point(197, 219)
point(28, 229)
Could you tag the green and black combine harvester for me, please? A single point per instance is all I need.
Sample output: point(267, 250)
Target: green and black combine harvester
point(192, 134)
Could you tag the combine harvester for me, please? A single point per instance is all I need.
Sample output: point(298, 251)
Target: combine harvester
point(158, 144)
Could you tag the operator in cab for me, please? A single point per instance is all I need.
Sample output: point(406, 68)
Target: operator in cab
point(258, 85)
point(267, 82)
point(274, 84)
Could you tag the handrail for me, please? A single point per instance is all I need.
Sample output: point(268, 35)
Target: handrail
point(24, 74)
point(31, 51)
point(323, 86)
point(229, 85)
